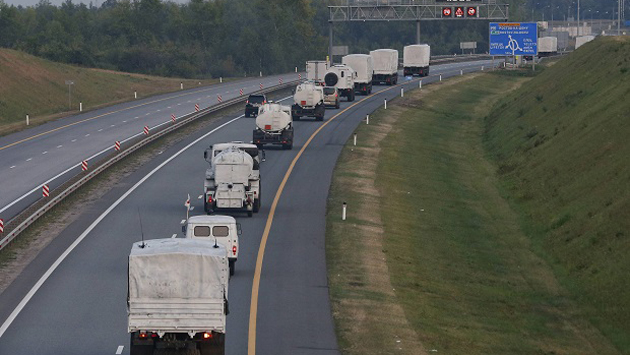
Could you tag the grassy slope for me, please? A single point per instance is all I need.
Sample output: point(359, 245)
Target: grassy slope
point(36, 86)
point(563, 148)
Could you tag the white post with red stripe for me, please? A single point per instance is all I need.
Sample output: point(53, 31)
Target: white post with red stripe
point(300, 76)
point(280, 81)
point(1, 225)
point(261, 86)
point(84, 165)
point(196, 107)
point(117, 146)
point(45, 190)
point(173, 118)
point(146, 130)
point(241, 91)
point(219, 99)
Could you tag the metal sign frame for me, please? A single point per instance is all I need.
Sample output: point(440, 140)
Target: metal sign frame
point(513, 38)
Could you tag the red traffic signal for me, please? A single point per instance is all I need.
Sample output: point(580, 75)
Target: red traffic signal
point(447, 12)
point(471, 12)
point(459, 11)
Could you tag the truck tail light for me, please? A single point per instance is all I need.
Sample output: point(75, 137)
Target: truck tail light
point(142, 335)
point(234, 250)
point(267, 126)
point(207, 335)
point(247, 102)
point(303, 103)
point(209, 198)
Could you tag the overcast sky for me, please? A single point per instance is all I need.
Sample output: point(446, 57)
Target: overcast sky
point(59, 2)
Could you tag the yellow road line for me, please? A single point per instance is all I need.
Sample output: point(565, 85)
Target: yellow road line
point(253, 310)
point(99, 116)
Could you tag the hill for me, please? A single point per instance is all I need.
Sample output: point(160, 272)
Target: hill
point(36, 86)
point(562, 149)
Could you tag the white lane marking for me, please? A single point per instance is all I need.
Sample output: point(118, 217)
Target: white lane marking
point(87, 135)
point(192, 208)
point(189, 100)
point(183, 221)
point(136, 117)
point(181, 104)
point(124, 121)
point(199, 197)
point(158, 110)
point(13, 166)
point(100, 130)
point(174, 236)
point(148, 114)
point(45, 152)
point(29, 159)
point(168, 106)
point(59, 146)
point(74, 140)
point(120, 349)
point(112, 125)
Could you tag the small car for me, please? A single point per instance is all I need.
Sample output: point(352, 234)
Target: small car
point(331, 96)
point(254, 101)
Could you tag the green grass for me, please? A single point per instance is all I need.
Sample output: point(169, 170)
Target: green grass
point(562, 149)
point(35, 86)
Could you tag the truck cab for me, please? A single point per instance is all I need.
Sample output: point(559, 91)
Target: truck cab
point(220, 229)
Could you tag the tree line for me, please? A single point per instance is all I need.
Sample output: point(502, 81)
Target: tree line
point(204, 38)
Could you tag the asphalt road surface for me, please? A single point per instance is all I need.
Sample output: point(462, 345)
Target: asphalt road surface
point(80, 307)
point(33, 157)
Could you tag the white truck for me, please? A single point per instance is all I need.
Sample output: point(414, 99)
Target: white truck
point(221, 229)
point(364, 70)
point(385, 66)
point(342, 77)
point(547, 46)
point(231, 182)
point(416, 58)
point(315, 70)
point(308, 100)
point(177, 296)
point(582, 40)
point(273, 126)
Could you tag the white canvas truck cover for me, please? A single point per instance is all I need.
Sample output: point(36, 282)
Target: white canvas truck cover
point(315, 70)
point(417, 55)
point(362, 65)
point(273, 118)
point(308, 95)
point(385, 61)
point(232, 166)
point(580, 41)
point(177, 285)
point(547, 44)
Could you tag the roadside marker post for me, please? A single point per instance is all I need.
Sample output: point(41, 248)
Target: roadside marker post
point(402, 92)
point(300, 76)
point(27, 120)
point(173, 118)
point(1, 225)
point(84, 165)
point(296, 69)
point(219, 99)
point(181, 85)
point(80, 106)
point(261, 86)
point(135, 94)
point(280, 81)
point(117, 146)
point(461, 72)
point(196, 107)
point(344, 211)
point(355, 139)
point(221, 79)
point(241, 91)
point(440, 77)
point(45, 190)
point(385, 104)
point(261, 74)
point(367, 119)
point(146, 130)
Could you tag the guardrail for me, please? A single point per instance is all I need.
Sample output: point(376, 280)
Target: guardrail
point(28, 216)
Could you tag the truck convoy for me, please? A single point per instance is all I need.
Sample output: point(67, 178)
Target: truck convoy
point(342, 77)
point(273, 126)
point(308, 100)
point(177, 296)
point(220, 229)
point(416, 59)
point(364, 71)
point(385, 66)
point(315, 70)
point(547, 46)
point(232, 182)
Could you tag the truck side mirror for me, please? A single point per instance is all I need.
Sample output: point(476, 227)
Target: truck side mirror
point(263, 155)
point(184, 229)
point(205, 154)
point(239, 231)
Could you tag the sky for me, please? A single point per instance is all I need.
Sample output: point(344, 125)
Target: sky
point(59, 2)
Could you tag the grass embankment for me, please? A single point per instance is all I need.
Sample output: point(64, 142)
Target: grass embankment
point(563, 150)
point(430, 233)
point(37, 86)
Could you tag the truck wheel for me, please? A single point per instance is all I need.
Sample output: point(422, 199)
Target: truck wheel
point(256, 205)
point(250, 213)
point(337, 104)
point(232, 267)
point(352, 96)
point(319, 118)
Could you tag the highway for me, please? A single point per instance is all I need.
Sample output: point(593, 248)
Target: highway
point(35, 156)
point(78, 306)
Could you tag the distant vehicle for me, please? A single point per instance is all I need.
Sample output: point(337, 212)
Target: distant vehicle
point(331, 96)
point(177, 296)
point(416, 59)
point(254, 101)
point(315, 70)
point(342, 77)
point(308, 101)
point(362, 66)
point(232, 183)
point(222, 229)
point(274, 126)
point(547, 46)
point(582, 40)
point(385, 66)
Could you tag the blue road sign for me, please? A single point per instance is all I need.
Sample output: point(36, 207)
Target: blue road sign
point(513, 38)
